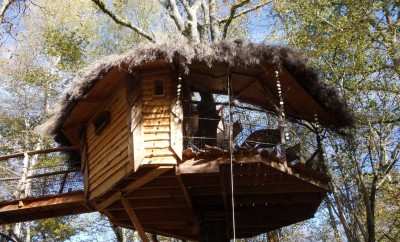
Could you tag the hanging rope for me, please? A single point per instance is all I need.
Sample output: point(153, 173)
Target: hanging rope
point(282, 125)
point(231, 154)
point(321, 153)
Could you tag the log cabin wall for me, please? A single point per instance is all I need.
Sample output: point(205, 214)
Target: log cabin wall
point(107, 145)
point(159, 95)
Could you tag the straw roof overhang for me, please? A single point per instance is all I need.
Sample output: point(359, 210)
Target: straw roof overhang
point(251, 67)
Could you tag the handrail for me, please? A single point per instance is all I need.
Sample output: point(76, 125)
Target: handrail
point(35, 152)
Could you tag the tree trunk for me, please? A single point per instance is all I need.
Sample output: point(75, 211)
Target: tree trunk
point(20, 193)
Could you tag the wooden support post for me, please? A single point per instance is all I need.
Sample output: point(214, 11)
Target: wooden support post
point(134, 219)
point(189, 203)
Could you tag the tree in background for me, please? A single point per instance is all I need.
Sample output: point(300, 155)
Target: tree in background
point(356, 46)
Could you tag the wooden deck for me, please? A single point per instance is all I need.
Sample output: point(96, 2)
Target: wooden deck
point(172, 201)
point(43, 207)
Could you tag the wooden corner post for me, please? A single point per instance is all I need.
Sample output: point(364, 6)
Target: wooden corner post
point(134, 219)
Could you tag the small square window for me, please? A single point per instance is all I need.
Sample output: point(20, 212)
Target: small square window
point(158, 87)
point(101, 121)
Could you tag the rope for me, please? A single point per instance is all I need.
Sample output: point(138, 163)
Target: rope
point(231, 155)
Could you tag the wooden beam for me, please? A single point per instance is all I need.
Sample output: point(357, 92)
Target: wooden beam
point(134, 219)
point(134, 185)
point(189, 203)
point(223, 179)
point(186, 195)
point(148, 177)
point(35, 152)
point(213, 166)
point(43, 207)
point(109, 201)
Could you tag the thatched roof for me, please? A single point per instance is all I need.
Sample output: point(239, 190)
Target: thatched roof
point(235, 54)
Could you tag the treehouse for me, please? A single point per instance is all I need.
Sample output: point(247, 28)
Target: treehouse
point(192, 141)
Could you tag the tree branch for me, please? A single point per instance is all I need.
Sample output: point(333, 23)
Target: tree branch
point(192, 23)
point(232, 14)
point(206, 20)
point(389, 167)
point(172, 8)
point(6, 5)
point(214, 28)
point(117, 19)
point(244, 12)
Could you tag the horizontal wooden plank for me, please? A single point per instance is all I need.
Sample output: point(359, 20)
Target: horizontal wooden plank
point(156, 115)
point(163, 102)
point(162, 160)
point(157, 98)
point(148, 109)
point(107, 175)
point(154, 136)
point(156, 121)
point(97, 155)
point(156, 144)
point(159, 128)
point(112, 165)
point(156, 152)
point(110, 161)
point(109, 183)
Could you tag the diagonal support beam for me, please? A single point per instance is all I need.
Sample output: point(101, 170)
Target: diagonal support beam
point(148, 177)
point(134, 185)
point(134, 219)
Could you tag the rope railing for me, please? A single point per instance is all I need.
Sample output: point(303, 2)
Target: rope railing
point(36, 152)
point(41, 179)
point(256, 129)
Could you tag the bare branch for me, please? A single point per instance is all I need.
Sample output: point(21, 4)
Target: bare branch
point(389, 167)
point(6, 5)
point(203, 28)
point(232, 14)
point(186, 5)
point(244, 12)
point(214, 28)
point(119, 20)
point(172, 8)
point(191, 10)
point(192, 23)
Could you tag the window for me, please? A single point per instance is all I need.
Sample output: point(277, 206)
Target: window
point(101, 121)
point(158, 88)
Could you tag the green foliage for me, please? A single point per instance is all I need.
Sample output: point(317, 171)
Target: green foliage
point(67, 46)
point(37, 76)
point(355, 44)
point(53, 229)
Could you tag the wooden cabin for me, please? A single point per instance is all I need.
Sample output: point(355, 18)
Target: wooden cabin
point(134, 119)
